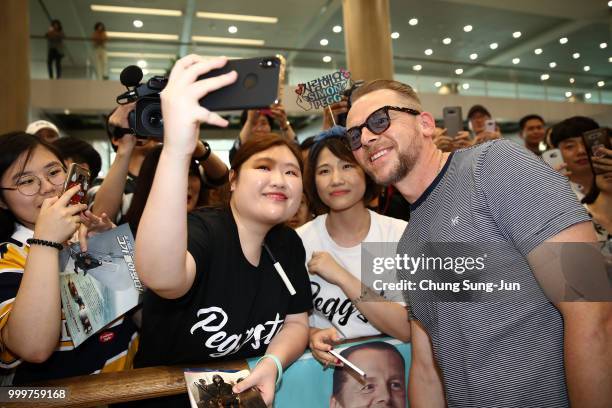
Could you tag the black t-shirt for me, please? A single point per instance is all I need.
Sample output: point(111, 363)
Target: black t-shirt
point(233, 309)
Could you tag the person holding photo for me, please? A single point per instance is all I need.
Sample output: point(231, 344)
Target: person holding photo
point(213, 288)
point(339, 191)
point(35, 221)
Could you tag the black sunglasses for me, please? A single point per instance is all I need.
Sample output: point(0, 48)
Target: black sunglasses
point(377, 122)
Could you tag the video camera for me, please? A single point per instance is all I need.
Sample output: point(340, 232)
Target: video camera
point(146, 119)
point(256, 87)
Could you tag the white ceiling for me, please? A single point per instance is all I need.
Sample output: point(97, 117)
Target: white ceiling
point(302, 24)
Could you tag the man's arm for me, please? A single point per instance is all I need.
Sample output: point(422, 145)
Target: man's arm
point(425, 388)
point(587, 326)
point(247, 128)
point(109, 197)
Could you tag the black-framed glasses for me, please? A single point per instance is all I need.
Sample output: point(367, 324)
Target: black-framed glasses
point(29, 184)
point(377, 122)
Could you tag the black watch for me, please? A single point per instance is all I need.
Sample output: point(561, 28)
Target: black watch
point(206, 154)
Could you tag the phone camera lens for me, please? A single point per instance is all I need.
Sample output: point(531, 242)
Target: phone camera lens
point(268, 63)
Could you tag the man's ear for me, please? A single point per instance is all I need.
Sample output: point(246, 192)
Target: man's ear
point(428, 124)
point(232, 179)
point(3, 204)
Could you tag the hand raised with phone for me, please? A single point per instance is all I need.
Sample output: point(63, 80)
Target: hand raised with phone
point(58, 220)
point(180, 101)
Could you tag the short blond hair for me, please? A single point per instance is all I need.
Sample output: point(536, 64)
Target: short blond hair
point(378, 84)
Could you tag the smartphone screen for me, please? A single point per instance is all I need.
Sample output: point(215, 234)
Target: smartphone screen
point(77, 175)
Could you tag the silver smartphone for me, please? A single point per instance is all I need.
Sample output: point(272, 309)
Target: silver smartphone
point(453, 120)
point(553, 158)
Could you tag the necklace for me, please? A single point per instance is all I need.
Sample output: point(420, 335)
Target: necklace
point(441, 163)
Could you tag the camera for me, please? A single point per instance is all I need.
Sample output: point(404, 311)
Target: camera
point(146, 119)
point(256, 87)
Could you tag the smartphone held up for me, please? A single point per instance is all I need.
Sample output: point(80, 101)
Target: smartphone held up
point(77, 175)
point(594, 141)
point(257, 87)
point(453, 120)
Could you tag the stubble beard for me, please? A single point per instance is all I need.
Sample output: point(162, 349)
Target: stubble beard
point(404, 165)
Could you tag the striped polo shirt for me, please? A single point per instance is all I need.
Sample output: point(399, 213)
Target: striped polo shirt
point(504, 353)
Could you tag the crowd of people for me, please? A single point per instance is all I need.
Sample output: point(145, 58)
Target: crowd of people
point(210, 239)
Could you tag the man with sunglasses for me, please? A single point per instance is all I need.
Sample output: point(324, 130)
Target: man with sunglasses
point(539, 352)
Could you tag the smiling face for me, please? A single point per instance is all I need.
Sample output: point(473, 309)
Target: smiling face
point(42, 164)
point(340, 184)
point(268, 187)
point(384, 385)
point(390, 156)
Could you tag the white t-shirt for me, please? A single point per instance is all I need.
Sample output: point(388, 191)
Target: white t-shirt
point(331, 306)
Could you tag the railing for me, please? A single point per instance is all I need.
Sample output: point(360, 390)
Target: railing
point(136, 384)
point(124, 386)
point(425, 74)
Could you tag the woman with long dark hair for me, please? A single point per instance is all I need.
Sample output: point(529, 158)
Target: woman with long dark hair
point(339, 191)
point(35, 221)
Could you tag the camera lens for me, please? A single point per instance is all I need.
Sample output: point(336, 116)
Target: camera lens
point(268, 62)
point(156, 120)
point(151, 118)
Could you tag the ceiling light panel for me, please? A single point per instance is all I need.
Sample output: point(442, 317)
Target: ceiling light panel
point(237, 17)
point(119, 54)
point(224, 40)
point(136, 10)
point(142, 36)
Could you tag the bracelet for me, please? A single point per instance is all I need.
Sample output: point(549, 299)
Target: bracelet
point(279, 366)
point(206, 154)
point(43, 242)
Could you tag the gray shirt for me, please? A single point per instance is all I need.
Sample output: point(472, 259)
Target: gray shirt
point(505, 353)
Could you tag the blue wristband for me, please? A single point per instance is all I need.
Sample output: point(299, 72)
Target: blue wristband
point(279, 366)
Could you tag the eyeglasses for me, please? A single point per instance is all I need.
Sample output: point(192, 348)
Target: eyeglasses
point(377, 122)
point(29, 184)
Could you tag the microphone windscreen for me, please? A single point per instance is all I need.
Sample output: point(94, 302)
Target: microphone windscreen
point(131, 75)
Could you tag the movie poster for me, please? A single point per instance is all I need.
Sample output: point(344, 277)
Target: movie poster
point(99, 285)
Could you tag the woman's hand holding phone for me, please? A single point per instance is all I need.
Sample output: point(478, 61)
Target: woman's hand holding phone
point(58, 220)
point(180, 98)
point(462, 140)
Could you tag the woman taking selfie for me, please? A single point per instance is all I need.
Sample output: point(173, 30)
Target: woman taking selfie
point(214, 292)
point(35, 220)
point(339, 190)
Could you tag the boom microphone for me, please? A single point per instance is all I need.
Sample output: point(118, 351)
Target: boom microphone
point(131, 76)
